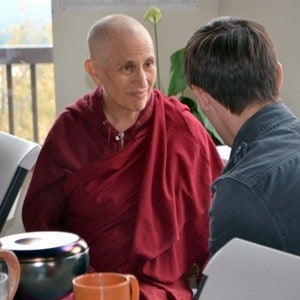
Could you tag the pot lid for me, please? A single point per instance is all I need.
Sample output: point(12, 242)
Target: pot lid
point(43, 244)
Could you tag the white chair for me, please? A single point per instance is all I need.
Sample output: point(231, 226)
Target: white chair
point(243, 270)
point(17, 158)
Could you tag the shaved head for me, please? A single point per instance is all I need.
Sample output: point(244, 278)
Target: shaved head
point(116, 27)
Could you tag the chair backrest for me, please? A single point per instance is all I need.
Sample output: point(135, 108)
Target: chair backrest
point(17, 158)
point(248, 271)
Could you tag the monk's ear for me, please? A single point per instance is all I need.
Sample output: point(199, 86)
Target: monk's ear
point(202, 97)
point(92, 69)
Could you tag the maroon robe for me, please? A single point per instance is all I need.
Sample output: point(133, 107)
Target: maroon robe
point(143, 208)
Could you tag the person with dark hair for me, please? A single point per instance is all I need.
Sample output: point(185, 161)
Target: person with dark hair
point(128, 169)
point(232, 68)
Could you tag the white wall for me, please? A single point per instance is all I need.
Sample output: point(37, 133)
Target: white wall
point(279, 17)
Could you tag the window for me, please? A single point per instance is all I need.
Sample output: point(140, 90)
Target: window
point(27, 95)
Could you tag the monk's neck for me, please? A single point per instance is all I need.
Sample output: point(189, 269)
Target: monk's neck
point(121, 120)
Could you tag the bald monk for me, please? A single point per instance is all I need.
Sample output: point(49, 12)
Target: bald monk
point(128, 169)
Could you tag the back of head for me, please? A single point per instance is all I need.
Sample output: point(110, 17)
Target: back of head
point(234, 61)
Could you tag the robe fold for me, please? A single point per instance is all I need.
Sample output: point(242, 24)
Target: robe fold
point(142, 208)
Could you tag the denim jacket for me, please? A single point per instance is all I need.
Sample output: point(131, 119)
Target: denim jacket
point(257, 197)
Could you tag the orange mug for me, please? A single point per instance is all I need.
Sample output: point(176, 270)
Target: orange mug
point(105, 286)
point(9, 283)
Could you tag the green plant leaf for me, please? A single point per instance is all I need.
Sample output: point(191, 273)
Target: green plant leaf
point(198, 113)
point(177, 83)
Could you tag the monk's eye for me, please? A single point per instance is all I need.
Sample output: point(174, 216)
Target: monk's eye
point(128, 68)
point(150, 64)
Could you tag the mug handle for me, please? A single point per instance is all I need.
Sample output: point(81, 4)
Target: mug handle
point(14, 271)
point(134, 287)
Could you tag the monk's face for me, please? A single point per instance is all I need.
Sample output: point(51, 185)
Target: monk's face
point(127, 71)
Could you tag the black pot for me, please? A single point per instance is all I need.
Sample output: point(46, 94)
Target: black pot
point(49, 260)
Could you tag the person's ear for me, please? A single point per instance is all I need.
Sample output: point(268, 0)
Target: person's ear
point(279, 75)
point(91, 68)
point(202, 97)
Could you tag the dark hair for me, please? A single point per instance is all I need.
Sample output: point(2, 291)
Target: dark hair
point(234, 61)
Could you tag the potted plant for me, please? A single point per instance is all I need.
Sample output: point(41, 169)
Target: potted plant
point(178, 85)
